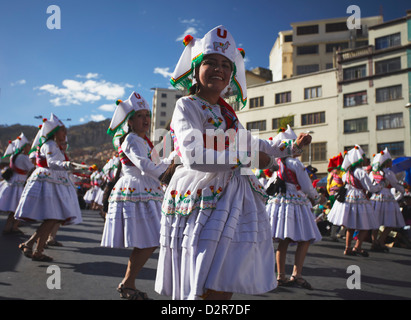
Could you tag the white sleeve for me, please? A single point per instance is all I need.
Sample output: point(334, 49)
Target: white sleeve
point(54, 156)
point(302, 177)
point(393, 180)
point(366, 182)
point(136, 152)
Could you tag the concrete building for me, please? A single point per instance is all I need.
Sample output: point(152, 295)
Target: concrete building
point(307, 103)
point(374, 88)
point(310, 45)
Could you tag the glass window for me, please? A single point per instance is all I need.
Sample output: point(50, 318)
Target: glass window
point(256, 102)
point(304, 69)
point(282, 122)
point(395, 148)
point(318, 152)
point(259, 125)
point(388, 65)
point(313, 92)
point(391, 40)
point(307, 50)
point(388, 93)
point(355, 99)
point(390, 121)
point(312, 29)
point(283, 97)
point(356, 125)
point(354, 72)
point(312, 118)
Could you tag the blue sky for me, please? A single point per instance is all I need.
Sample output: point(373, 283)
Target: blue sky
point(106, 49)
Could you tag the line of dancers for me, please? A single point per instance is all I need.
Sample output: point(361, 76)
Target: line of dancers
point(213, 222)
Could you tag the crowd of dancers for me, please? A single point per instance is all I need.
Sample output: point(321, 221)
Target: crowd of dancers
point(202, 206)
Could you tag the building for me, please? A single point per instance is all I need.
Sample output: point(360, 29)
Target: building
point(310, 45)
point(374, 90)
point(307, 102)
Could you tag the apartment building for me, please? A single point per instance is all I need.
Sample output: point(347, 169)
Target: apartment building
point(308, 103)
point(310, 45)
point(374, 90)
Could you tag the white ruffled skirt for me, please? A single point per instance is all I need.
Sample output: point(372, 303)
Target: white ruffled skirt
point(10, 192)
point(49, 194)
point(356, 212)
point(291, 217)
point(387, 209)
point(134, 214)
point(224, 248)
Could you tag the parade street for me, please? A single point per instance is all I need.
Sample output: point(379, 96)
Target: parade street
point(82, 270)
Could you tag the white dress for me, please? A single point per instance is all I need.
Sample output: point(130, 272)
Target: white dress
point(49, 192)
point(10, 191)
point(215, 232)
point(385, 205)
point(290, 212)
point(134, 211)
point(357, 211)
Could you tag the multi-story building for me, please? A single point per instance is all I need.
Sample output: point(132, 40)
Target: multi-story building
point(310, 45)
point(374, 90)
point(308, 103)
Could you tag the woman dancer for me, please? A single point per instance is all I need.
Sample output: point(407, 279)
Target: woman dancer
point(385, 205)
point(12, 188)
point(49, 195)
point(134, 205)
point(291, 218)
point(356, 212)
point(215, 235)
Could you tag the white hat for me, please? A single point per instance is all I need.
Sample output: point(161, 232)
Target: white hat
point(380, 158)
point(284, 138)
point(50, 126)
point(124, 110)
point(10, 149)
point(353, 157)
point(217, 40)
point(20, 142)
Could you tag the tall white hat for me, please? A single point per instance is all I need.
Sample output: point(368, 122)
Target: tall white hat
point(353, 157)
point(218, 40)
point(380, 158)
point(124, 110)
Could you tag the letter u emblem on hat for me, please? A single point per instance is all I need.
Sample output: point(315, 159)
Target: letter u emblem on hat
point(224, 35)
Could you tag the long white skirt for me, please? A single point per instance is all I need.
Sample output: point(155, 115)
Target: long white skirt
point(10, 192)
point(227, 248)
point(355, 213)
point(291, 217)
point(132, 225)
point(49, 194)
point(387, 209)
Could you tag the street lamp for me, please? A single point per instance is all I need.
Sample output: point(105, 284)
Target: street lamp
point(309, 148)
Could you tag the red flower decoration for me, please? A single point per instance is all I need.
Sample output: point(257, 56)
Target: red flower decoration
point(187, 39)
point(242, 51)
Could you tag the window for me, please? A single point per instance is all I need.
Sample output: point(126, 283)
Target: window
point(388, 93)
point(304, 69)
point(256, 102)
point(336, 26)
point(307, 50)
point(313, 29)
point(279, 122)
point(259, 125)
point(163, 114)
point(395, 148)
point(355, 99)
point(354, 72)
point(283, 97)
point(389, 41)
point(164, 95)
point(313, 92)
point(163, 105)
point(312, 118)
point(355, 125)
point(388, 65)
point(390, 121)
point(330, 47)
point(318, 152)
point(288, 38)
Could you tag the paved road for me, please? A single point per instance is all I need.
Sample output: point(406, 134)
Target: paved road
point(89, 272)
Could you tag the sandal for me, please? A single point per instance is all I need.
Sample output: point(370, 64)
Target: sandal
point(27, 251)
point(283, 281)
point(41, 257)
point(131, 294)
point(361, 252)
point(349, 252)
point(300, 282)
point(54, 243)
